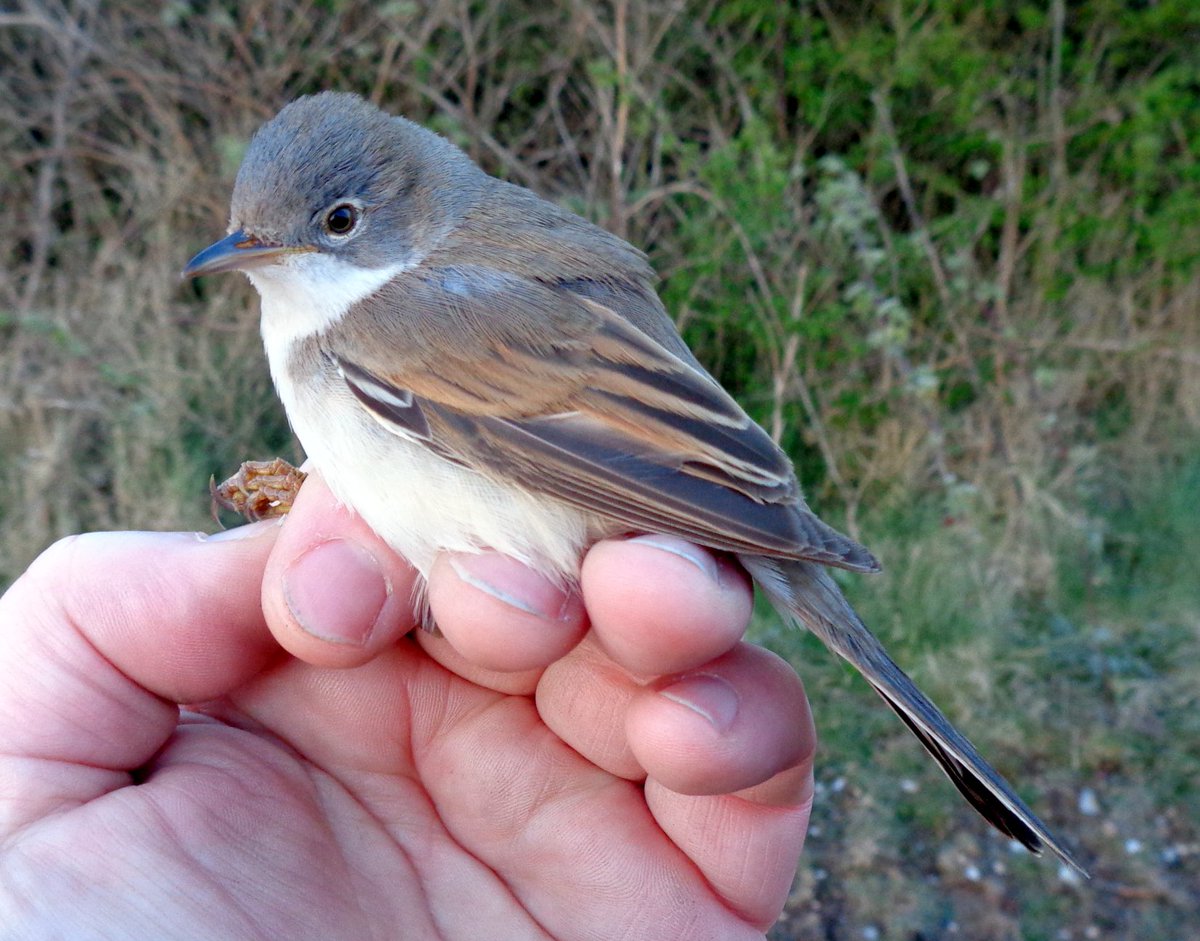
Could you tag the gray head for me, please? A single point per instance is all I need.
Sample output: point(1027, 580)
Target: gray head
point(334, 174)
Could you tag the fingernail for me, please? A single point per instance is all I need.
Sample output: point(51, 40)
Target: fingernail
point(516, 585)
point(684, 550)
point(706, 695)
point(336, 591)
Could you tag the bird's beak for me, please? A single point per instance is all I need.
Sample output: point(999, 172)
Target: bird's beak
point(236, 252)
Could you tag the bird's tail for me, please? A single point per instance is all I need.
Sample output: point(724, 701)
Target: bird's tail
point(805, 593)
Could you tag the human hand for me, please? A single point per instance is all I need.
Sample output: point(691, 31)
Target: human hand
point(341, 780)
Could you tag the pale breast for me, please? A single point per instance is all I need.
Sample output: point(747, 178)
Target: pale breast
point(418, 502)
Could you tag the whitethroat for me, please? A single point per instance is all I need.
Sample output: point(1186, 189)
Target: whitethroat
point(472, 367)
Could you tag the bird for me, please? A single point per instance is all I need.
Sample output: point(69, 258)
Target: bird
point(471, 366)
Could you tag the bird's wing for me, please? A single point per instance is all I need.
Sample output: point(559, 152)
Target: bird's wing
point(556, 392)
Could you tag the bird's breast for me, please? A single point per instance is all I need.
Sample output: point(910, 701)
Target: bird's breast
point(417, 501)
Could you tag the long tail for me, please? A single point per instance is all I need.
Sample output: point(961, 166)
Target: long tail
point(804, 592)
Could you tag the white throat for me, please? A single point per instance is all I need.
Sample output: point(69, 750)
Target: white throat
point(306, 294)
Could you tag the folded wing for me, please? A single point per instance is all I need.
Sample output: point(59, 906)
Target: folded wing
point(558, 393)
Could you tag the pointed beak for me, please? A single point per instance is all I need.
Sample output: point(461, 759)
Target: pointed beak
point(236, 252)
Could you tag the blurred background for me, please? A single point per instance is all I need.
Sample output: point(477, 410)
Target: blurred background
point(948, 252)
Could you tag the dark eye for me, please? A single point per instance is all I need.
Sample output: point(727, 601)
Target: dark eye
point(342, 219)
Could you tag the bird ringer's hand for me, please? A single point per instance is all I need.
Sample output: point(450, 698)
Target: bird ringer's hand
point(497, 781)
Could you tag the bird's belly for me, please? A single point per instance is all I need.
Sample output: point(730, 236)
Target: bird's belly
point(420, 503)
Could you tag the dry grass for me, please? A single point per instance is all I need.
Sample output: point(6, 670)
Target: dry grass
point(919, 330)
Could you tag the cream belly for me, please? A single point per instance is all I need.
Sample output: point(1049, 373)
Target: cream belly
point(418, 502)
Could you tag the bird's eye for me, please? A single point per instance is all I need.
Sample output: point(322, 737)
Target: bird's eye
point(341, 219)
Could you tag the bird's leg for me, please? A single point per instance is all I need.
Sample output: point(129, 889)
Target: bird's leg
point(259, 490)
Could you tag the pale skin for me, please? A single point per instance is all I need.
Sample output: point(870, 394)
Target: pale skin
point(349, 777)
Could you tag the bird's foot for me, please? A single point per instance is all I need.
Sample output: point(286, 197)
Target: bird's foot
point(259, 490)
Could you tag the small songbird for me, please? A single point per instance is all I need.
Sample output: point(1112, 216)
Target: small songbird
point(470, 366)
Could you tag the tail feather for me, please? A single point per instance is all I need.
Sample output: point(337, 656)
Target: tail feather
point(995, 811)
point(806, 593)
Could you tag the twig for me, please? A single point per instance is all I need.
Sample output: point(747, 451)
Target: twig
point(884, 111)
